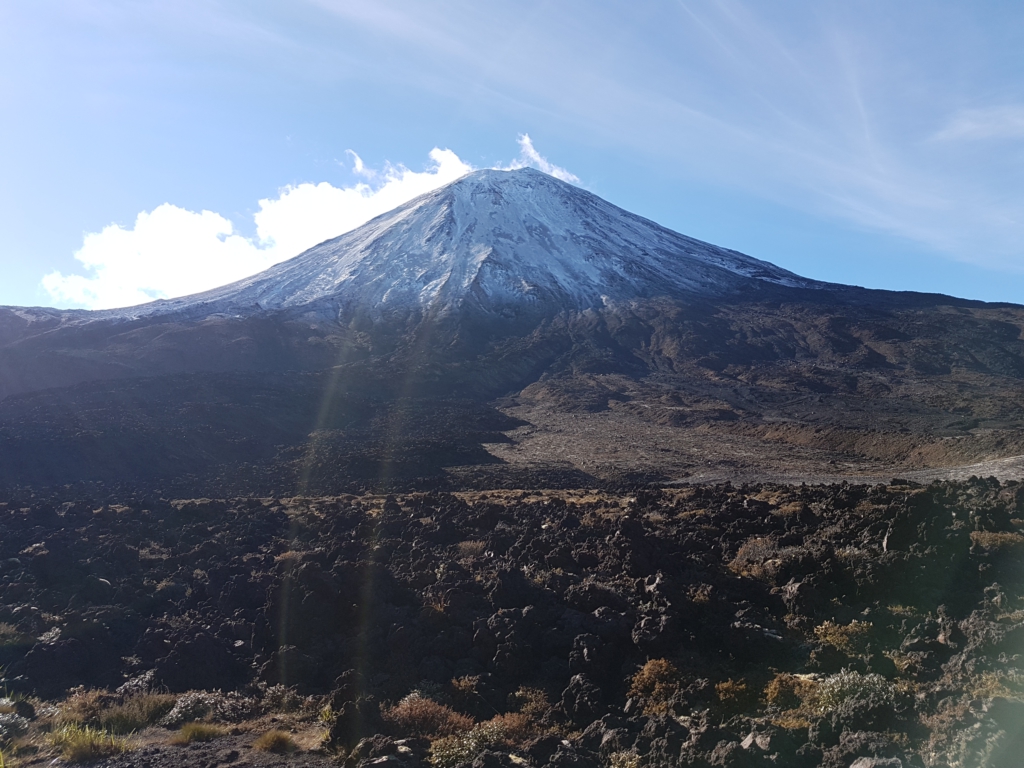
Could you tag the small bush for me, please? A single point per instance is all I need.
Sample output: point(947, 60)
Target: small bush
point(83, 744)
point(838, 688)
point(278, 742)
point(514, 728)
point(735, 696)
point(416, 715)
point(190, 706)
point(532, 702)
point(761, 557)
point(850, 639)
point(281, 698)
point(198, 732)
point(789, 691)
point(655, 685)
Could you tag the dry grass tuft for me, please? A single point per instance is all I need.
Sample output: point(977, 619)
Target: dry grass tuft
point(276, 741)
point(471, 548)
point(104, 711)
point(84, 744)
point(198, 732)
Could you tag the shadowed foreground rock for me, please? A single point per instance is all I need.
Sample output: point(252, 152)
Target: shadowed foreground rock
point(699, 626)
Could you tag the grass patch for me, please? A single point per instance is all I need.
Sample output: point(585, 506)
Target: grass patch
point(198, 732)
point(276, 741)
point(105, 712)
point(83, 744)
point(136, 712)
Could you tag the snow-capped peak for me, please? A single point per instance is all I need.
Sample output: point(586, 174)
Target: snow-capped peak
point(494, 240)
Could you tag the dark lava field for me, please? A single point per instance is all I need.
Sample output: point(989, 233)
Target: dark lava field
point(762, 625)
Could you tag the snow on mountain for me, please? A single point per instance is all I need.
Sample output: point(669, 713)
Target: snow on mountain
point(493, 240)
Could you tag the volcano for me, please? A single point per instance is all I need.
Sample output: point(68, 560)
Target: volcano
point(510, 325)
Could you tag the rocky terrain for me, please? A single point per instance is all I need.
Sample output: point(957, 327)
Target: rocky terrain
point(699, 625)
point(512, 477)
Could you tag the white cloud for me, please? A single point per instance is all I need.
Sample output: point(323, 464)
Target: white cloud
point(1005, 122)
point(528, 156)
point(171, 251)
point(307, 214)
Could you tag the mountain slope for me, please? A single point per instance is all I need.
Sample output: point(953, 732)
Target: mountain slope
point(496, 241)
point(619, 348)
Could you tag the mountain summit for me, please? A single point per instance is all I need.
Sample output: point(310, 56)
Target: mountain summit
point(511, 323)
point(498, 241)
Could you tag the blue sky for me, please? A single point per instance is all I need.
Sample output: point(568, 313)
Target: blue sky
point(873, 143)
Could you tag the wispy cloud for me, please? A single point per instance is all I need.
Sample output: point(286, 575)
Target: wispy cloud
point(530, 157)
point(1002, 122)
point(171, 251)
point(828, 110)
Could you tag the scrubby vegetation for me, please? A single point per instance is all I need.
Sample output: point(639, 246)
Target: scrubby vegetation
point(191, 732)
point(698, 626)
point(277, 741)
point(85, 744)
